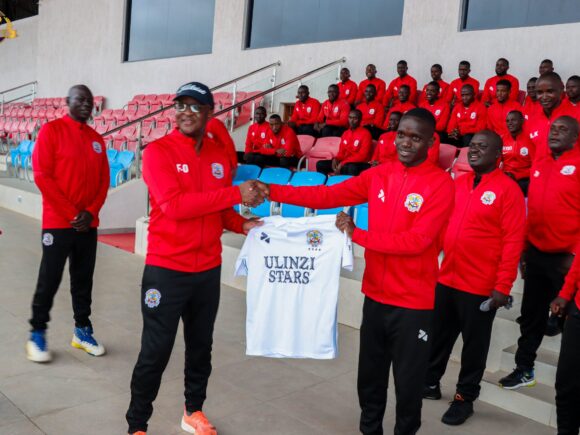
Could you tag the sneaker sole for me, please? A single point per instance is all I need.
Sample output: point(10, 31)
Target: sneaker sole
point(79, 345)
point(186, 427)
point(522, 384)
point(456, 423)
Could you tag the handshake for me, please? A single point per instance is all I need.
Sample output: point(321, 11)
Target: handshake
point(254, 192)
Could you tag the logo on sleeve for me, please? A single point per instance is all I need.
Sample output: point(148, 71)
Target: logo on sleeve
point(283, 142)
point(152, 298)
point(381, 195)
point(438, 112)
point(371, 111)
point(488, 197)
point(97, 147)
point(210, 135)
point(182, 167)
point(314, 238)
point(217, 170)
point(524, 151)
point(568, 170)
point(414, 202)
point(47, 239)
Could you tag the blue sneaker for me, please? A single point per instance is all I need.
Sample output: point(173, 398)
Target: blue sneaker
point(83, 339)
point(36, 348)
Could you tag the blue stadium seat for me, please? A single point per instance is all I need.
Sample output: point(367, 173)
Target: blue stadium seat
point(120, 168)
point(271, 176)
point(301, 179)
point(361, 216)
point(112, 155)
point(336, 179)
point(18, 155)
point(26, 164)
point(245, 173)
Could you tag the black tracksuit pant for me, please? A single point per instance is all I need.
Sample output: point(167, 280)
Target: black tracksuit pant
point(193, 297)
point(457, 312)
point(567, 379)
point(80, 249)
point(544, 277)
point(332, 130)
point(401, 337)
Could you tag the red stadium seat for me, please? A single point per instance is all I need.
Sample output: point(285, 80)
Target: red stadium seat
point(447, 155)
point(461, 165)
point(325, 148)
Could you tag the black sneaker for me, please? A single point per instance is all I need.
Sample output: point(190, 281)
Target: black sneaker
point(459, 411)
point(432, 392)
point(518, 378)
point(554, 326)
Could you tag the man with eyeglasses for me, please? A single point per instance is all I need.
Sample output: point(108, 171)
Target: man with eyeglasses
point(190, 185)
point(72, 173)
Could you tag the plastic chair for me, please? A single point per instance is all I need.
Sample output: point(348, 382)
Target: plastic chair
point(447, 155)
point(119, 170)
point(245, 173)
point(325, 148)
point(17, 156)
point(271, 176)
point(112, 155)
point(336, 179)
point(301, 179)
point(306, 143)
point(461, 165)
point(361, 216)
point(27, 164)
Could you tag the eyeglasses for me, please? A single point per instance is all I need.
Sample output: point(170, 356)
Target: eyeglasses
point(182, 107)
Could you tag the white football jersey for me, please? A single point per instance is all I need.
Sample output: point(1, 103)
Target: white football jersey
point(293, 267)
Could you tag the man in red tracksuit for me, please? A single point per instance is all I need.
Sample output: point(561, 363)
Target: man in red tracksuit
point(373, 113)
point(282, 148)
point(531, 103)
point(392, 94)
point(372, 79)
point(549, 90)
point(573, 93)
point(468, 117)
point(567, 379)
point(72, 173)
point(346, 87)
point(501, 73)
point(386, 150)
point(403, 103)
point(333, 117)
point(438, 107)
point(217, 131)
point(436, 73)
point(498, 110)
point(305, 113)
point(257, 136)
point(453, 94)
point(409, 202)
point(354, 151)
point(189, 181)
point(553, 236)
point(518, 151)
point(482, 247)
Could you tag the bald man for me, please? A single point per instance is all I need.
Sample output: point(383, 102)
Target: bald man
point(72, 173)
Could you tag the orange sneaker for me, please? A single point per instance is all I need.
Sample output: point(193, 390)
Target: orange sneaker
point(138, 433)
point(197, 423)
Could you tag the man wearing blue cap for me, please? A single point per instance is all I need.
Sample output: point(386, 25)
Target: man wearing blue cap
point(190, 183)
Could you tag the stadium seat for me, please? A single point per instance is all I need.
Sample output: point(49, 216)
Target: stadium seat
point(335, 179)
point(325, 148)
point(301, 179)
point(111, 155)
point(306, 143)
point(121, 167)
point(245, 173)
point(447, 155)
point(461, 165)
point(27, 164)
point(17, 156)
point(361, 216)
point(275, 176)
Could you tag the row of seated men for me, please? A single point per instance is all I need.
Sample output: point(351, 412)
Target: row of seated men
point(458, 108)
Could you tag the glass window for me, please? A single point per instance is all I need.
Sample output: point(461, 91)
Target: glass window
point(497, 14)
point(169, 28)
point(273, 23)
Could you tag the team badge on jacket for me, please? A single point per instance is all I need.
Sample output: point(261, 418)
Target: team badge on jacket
point(488, 197)
point(314, 238)
point(414, 202)
point(217, 170)
point(524, 151)
point(47, 239)
point(152, 298)
point(568, 170)
point(97, 147)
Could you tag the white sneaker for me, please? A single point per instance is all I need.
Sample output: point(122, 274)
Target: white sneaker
point(36, 348)
point(83, 339)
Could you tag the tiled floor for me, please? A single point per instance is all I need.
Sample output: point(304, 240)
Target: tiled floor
point(78, 394)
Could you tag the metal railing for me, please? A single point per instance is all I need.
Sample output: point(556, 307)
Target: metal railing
point(4, 101)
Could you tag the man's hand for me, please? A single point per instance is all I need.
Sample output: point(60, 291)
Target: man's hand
point(336, 166)
point(251, 196)
point(281, 152)
point(454, 134)
point(498, 300)
point(251, 223)
point(558, 306)
point(345, 223)
point(82, 221)
point(263, 188)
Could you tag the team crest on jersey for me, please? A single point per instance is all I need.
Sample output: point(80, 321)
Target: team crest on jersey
point(217, 170)
point(47, 239)
point(347, 92)
point(473, 115)
point(97, 147)
point(335, 110)
point(314, 238)
point(568, 170)
point(263, 135)
point(524, 151)
point(152, 298)
point(309, 109)
point(414, 202)
point(283, 142)
point(488, 197)
point(371, 111)
point(438, 112)
point(210, 135)
point(356, 142)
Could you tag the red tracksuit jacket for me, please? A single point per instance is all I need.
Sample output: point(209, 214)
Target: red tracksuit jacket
point(386, 150)
point(286, 139)
point(393, 89)
point(538, 127)
point(469, 120)
point(440, 110)
point(485, 236)
point(554, 203)
point(531, 108)
point(217, 131)
point(491, 84)
point(373, 113)
point(379, 84)
point(191, 203)
point(454, 89)
point(518, 155)
point(306, 113)
point(334, 114)
point(347, 91)
point(497, 113)
point(571, 288)
point(408, 209)
point(443, 85)
point(398, 107)
point(71, 171)
point(355, 146)
point(257, 136)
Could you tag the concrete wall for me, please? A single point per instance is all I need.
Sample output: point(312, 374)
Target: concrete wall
point(81, 41)
point(19, 55)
